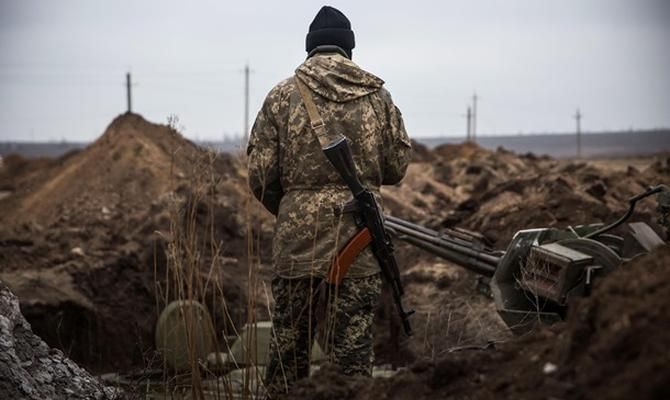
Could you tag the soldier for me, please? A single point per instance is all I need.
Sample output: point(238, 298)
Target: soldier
point(290, 175)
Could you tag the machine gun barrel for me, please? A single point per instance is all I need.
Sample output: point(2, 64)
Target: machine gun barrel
point(454, 236)
point(466, 253)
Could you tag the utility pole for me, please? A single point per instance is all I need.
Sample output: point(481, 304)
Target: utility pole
point(245, 135)
point(474, 117)
point(128, 93)
point(468, 134)
point(578, 118)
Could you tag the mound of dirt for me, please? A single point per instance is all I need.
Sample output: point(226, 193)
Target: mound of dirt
point(612, 346)
point(449, 181)
point(421, 153)
point(133, 163)
point(573, 194)
point(499, 193)
point(96, 242)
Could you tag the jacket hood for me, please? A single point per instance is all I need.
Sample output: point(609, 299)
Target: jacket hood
point(337, 78)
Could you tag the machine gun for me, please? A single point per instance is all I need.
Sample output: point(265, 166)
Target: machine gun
point(541, 269)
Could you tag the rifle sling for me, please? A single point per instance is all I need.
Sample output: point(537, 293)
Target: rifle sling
point(315, 120)
point(362, 239)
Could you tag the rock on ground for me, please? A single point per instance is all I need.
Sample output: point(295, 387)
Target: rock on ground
point(29, 369)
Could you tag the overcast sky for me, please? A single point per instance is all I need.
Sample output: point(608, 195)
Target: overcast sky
point(532, 62)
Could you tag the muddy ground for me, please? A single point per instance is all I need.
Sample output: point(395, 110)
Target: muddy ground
point(95, 242)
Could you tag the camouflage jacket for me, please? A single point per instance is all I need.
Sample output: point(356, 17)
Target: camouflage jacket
point(290, 175)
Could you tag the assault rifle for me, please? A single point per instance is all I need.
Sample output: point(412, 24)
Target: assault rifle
point(370, 220)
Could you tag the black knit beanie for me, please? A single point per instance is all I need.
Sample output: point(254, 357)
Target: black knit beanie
point(330, 27)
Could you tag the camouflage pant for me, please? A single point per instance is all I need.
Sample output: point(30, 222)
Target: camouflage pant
point(347, 334)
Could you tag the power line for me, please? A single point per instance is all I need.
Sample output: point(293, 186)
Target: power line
point(578, 119)
point(468, 117)
point(129, 97)
point(246, 104)
point(128, 93)
point(474, 117)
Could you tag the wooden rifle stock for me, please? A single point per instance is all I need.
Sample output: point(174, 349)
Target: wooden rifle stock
point(347, 255)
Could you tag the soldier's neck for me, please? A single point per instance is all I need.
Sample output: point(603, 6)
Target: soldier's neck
point(328, 49)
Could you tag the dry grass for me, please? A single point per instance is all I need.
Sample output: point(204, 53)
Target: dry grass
point(195, 271)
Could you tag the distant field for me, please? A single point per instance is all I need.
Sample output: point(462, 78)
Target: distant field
point(39, 149)
point(606, 144)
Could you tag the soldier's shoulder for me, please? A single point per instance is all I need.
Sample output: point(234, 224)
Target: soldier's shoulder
point(385, 95)
point(279, 96)
point(282, 88)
